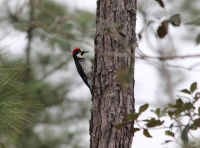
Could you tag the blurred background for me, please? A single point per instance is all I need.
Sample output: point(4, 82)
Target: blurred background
point(36, 41)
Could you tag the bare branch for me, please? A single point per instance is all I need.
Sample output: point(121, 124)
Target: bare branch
point(118, 54)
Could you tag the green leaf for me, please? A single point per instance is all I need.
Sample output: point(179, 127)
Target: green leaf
point(161, 3)
point(199, 111)
point(186, 91)
point(146, 133)
point(133, 130)
point(193, 87)
point(184, 135)
point(188, 106)
point(146, 120)
point(120, 125)
point(170, 113)
point(153, 111)
point(163, 29)
point(197, 96)
point(163, 113)
point(167, 141)
point(132, 116)
point(143, 108)
point(198, 40)
point(158, 111)
point(197, 122)
point(169, 133)
point(179, 102)
point(175, 20)
point(153, 122)
point(171, 126)
point(193, 126)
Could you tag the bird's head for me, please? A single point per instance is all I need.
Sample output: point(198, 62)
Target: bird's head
point(78, 53)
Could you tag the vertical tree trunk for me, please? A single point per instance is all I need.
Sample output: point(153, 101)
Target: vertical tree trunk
point(115, 32)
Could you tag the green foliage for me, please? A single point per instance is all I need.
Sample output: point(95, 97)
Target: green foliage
point(52, 23)
point(167, 141)
point(20, 103)
point(169, 133)
point(85, 22)
point(143, 108)
point(197, 96)
point(186, 91)
point(159, 113)
point(132, 116)
point(193, 126)
point(18, 106)
point(133, 130)
point(177, 112)
point(188, 14)
point(146, 133)
point(44, 12)
point(175, 20)
point(162, 30)
point(120, 125)
point(198, 39)
point(153, 122)
point(197, 122)
point(193, 87)
point(53, 28)
point(184, 134)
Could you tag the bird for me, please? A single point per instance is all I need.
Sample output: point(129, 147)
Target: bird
point(84, 67)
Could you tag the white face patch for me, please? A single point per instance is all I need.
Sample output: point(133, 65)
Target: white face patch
point(79, 54)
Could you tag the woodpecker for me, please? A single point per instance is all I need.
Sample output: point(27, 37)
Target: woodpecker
point(84, 66)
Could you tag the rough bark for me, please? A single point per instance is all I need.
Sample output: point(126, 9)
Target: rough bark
point(115, 32)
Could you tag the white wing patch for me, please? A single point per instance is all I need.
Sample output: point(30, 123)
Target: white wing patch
point(88, 70)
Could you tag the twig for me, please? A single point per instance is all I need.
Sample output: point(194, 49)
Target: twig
point(82, 29)
point(29, 36)
point(118, 54)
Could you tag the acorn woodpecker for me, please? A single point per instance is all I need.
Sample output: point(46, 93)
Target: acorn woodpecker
point(84, 66)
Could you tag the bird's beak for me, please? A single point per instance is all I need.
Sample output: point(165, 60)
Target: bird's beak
point(83, 52)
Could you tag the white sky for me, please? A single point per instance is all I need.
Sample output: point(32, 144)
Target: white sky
point(145, 75)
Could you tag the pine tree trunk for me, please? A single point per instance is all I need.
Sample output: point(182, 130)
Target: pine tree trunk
point(115, 32)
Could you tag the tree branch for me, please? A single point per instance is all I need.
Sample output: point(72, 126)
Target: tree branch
point(29, 36)
point(118, 54)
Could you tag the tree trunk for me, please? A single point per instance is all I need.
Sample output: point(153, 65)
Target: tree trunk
point(115, 32)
